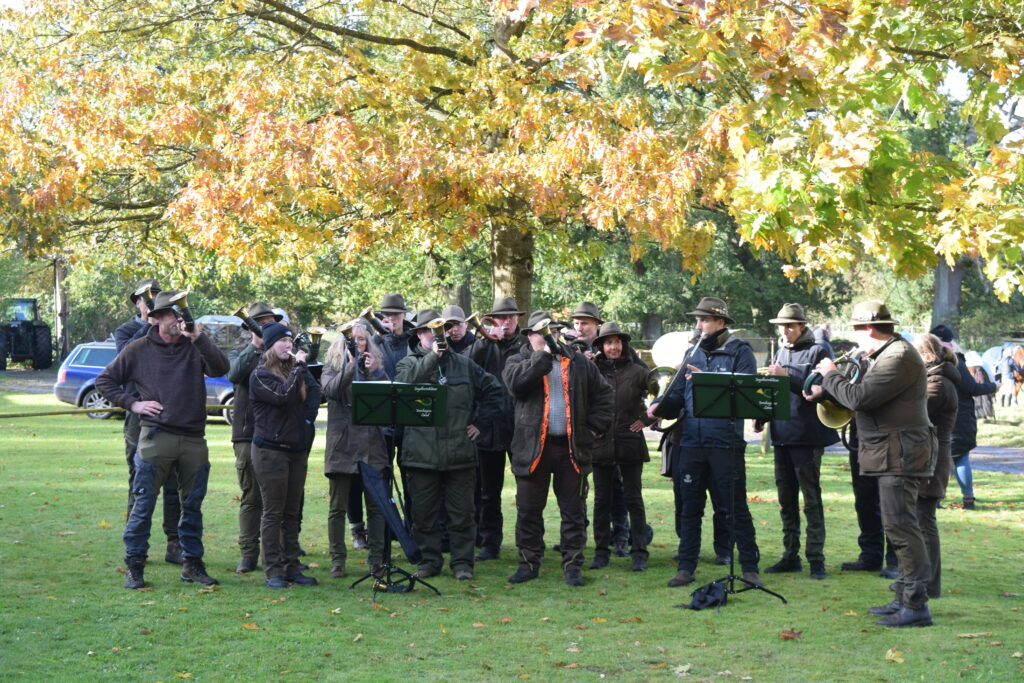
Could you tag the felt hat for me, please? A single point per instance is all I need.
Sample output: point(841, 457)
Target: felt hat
point(424, 317)
point(587, 309)
point(261, 309)
point(535, 318)
point(871, 313)
point(790, 313)
point(453, 314)
point(505, 305)
point(607, 330)
point(162, 301)
point(393, 303)
point(713, 306)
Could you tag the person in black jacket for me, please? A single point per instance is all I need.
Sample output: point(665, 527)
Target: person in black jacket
point(798, 445)
point(137, 328)
point(965, 432)
point(280, 452)
point(250, 505)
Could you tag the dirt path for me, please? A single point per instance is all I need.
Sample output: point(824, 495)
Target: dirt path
point(21, 381)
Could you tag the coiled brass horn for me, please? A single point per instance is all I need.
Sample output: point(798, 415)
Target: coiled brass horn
point(180, 302)
point(829, 412)
point(476, 323)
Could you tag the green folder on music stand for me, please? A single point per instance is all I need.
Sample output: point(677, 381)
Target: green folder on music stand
point(397, 403)
point(739, 396)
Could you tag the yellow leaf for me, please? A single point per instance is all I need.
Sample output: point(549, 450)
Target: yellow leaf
point(599, 620)
point(894, 655)
point(478, 624)
point(984, 634)
point(443, 630)
point(359, 636)
point(250, 627)
point(104, 524)
point(851, 613)
point(184, 675)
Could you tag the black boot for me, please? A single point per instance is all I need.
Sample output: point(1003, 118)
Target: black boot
point(908, 616)
point(786, 564)
point(194, 571)
point(134, 566)
point(173, 554)
point(246, 565)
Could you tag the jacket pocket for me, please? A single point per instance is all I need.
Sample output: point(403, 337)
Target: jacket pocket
point(918, 449)
point(873, 454)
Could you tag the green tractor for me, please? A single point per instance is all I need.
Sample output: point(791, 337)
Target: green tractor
point(24, 335)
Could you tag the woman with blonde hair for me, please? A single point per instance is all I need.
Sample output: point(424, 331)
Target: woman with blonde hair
point(348, 444)
point(941, 365)
point(280, 396)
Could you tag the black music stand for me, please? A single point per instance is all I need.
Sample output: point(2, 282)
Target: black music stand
point(393, 404)
point(739, 396)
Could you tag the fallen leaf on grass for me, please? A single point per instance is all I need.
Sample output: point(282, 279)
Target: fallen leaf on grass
point(603, 591)
point(359, 636)
point(894, 655)
point(631, 620)
point(582, 627)
point(984, 634)
point(545, 619)
point(790, 634)
point(569, 665)
point(1017, 655)
point(504, 620)
point(682, 670)
point(336, 610)
point(996, 642)
point(599, 620)
point(850, 613)
point(104, 524)
point(327, 654)
point(478, 624)
point(251, 627)
point(145, 631)
point(1009, 595)
point(184, 675)
point(443, 629)
point(66, 533)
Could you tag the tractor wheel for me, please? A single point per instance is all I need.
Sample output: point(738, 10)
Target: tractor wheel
point(3, 349)
point(42, 347)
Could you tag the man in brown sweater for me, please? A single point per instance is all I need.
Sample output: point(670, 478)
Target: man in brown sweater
point(167, 367)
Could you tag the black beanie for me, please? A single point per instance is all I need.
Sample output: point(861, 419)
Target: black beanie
point(273, 332)
point(943, 333)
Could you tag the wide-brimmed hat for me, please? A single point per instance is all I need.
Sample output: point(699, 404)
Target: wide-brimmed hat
point(713, 306)
point(535, 318)
point(142, 284)
point(453, 314)
point(393, 303)
point(587, 309)
point(790, 313)
point(273, 333)
point(505, 305)
point(162, 301)
point(607, 330)
point(871, 313)
point(424, 317)
point(260, 309)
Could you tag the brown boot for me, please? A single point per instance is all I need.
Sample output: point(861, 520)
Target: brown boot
point(173, 554)
point(682, 578)
point(134, 567)
point(194, 571)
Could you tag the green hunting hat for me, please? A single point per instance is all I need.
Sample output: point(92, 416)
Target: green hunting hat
point(424, 317)
point(261, 309)
point(587, 309)
point(607, 330)
point(536, 317)
point(790, 313)
point(871, 313)
point(162, 301)
point(453, 314)
point(505, 305)
point(713, 306)
point(393, 303)
point(140, 288)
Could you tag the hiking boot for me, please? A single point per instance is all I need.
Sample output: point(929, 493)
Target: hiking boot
point(861, 565)
point(723, 559)
point(752, 577)
point(600, 561)
point(134, 567)
point(969, 503)
point(463, 574)
point(817, 570)
point(682, 578)
point(360, 541)
point(337, 572)
point(486, 554)
point(573, 577)
point(276, 582)
point(621, 548)
point(523, 574)
point(785, 565)
point(908, 616)
point(890, 573)
point(300, 579)
point(885, 610)
point(194, 571)
point(173, 554)
point(639, 563)
point(246, 565)
point(426, 571)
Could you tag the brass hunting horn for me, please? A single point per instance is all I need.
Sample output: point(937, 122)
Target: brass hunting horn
point(180, 302)
point(831, 413)
point(248, 323)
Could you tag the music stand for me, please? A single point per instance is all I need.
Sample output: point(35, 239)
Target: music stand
point(735, 397)
point(394, 404)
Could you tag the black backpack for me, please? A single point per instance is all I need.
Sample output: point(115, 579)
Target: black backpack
point(711, 595)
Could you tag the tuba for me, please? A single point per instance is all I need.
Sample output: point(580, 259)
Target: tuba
point(180, 301)
point(247, 321)
point(829, 412)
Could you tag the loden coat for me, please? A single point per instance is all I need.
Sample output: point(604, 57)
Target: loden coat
point(349, 444)
point(891, 411)
point(628, 382)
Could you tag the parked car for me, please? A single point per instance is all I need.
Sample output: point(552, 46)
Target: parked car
point(76, 382)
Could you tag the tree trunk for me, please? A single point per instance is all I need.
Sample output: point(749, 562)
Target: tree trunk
point(60, 306)
point(512, 263)
point(948, 283)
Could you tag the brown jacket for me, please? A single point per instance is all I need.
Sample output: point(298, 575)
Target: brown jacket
point(628, 381)
point(891, 404)
point(349, 444)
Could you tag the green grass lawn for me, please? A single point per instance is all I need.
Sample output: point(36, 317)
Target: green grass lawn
point(1006, 429)
point(64, 614)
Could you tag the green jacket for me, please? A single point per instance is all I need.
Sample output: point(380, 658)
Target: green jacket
point(891, 409)
point(473, 396)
